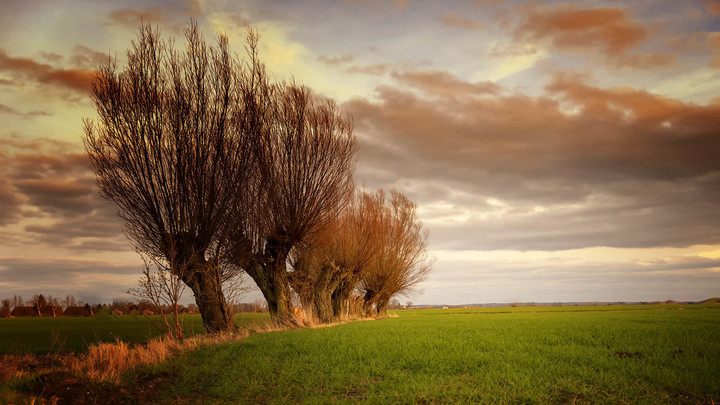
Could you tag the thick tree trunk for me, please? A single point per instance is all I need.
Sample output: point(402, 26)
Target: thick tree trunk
point(272, 280)
point(341, 296)
point(381, 307)
point(323, 305)
point(369, 300)
point(206, 285)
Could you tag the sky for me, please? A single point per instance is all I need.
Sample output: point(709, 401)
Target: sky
point(557, 151)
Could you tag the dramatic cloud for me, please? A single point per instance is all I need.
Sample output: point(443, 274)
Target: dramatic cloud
point(581, 166)
point(609, 32)
point(28, 69)
point(91, 280)
point(52, 186)
point(522, 129)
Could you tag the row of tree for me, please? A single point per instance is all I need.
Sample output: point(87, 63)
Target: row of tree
point(218, 170)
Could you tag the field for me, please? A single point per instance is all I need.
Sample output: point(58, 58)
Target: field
point(619, 354)
point(65, 334)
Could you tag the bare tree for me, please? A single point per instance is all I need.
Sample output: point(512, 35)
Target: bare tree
point(38, 302)
point(402, 261)
point(305, 178)
point(172, 148)
point(163, 286)
point(17, 301)
point(326, 270)
point(69, 301)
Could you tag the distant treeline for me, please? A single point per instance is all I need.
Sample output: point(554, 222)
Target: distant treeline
point(48, 306)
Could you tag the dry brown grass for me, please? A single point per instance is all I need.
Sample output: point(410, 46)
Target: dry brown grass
point(107, 361)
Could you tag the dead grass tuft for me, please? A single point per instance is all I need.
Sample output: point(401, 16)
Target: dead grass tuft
point(107, 361)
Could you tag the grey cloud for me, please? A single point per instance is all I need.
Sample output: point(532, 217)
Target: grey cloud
point(553, 280)
point(98, 279)
point(642, 169)
point(51, 184)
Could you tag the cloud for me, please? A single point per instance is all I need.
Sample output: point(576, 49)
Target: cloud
point(440, 83)
point(49, 189)
point(399, 5)
point(698, 41)
point(103, 279)
point(132, 18)
point(452, 20)
point(557, 277)
point(335, 60)
point(609, 32)
point(712, 7)
point(578, 166)
point(24, 68)
point(30, 114)
point(173, 16)
point(85, 57)
point(373, 69)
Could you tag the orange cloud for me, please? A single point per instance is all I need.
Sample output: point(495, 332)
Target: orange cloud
point(444, 84)
point(611, 32)
point(624, 167)
point(699, 41)
point(712, 7)
point(74, 79)
point(452, 20)
point(133, 18)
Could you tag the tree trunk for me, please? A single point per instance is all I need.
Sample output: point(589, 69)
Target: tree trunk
point(272, 280)
point(323, 305)
point(381, 307)
point(341, 296)
point(206, 285)
point(369, 299)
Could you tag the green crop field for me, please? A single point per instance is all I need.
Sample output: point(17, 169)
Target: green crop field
point(65, 334)
point(607, 355)
point(502, 355)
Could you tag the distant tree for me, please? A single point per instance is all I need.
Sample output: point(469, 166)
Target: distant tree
point(69, 301)
point(394, 304)
point(38, 302)
point(173, 148)
point(52, 301)
point(5, 308)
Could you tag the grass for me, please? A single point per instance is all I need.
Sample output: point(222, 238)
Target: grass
point(65, 334)
point(517, 355)
point(531, 355)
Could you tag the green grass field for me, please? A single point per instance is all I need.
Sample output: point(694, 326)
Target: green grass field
point(502, 355)
point(64, 334)
point(607, 355)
